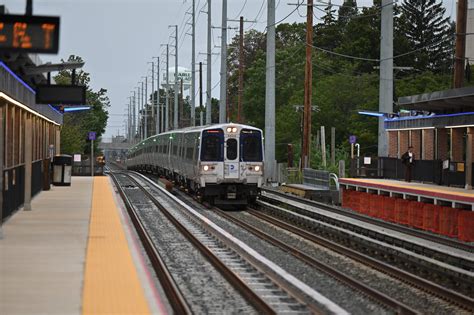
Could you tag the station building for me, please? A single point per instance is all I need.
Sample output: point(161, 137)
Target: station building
point(29, 133)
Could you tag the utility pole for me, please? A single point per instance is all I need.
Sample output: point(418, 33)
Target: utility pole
point(167, 109)
point(223, 96)
point(459, 61)
point(193, 68)
point(181, 105)
point(157, 97)
point(139, 96)
point(386, 72)
point(152, 93)
point(269, 93)
point(241, 67)
point(145, 98)
point(308, 87)
point(134, 116)
point(200, 96)
point(209, 62)
point(175, 113)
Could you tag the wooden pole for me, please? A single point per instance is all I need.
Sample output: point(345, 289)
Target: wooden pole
point(460, 44)
point(308, 78)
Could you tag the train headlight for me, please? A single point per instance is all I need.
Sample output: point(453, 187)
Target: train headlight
point(229, 129)
point(257, 168)
point(234, 129)
point(205, 168)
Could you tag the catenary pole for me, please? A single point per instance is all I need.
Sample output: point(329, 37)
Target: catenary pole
point(176, 93)
point(145, 97)
point(193, 67)
point(167, 106)
point(270, 94)
point(241, 69)
point(223, 94)
point(201, 119)
point(209, 62)
point(308, 87)
point(157, 97)
point(386, 72)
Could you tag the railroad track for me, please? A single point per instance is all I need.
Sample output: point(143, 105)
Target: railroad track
point(240, 266)
point(268, 193)
point(429, 287)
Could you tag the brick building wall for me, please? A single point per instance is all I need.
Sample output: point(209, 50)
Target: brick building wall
point(393, 144)
point(404, 141)
point(442, 135)
point(457, 144)
point(428, 144)
point(415, 142)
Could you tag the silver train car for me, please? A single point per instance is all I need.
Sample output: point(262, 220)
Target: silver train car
point(222, 164)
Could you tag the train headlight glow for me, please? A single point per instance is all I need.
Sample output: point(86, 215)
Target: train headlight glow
point(229, 129)
point(205, 168)
point(234, 129)
point(257, 168)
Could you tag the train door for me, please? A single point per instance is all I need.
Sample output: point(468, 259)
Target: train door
point(231, 162)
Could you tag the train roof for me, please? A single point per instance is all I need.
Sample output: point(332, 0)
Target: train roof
point(192, 129)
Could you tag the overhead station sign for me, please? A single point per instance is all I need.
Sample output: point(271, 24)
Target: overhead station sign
point(61, 94)
point(35, 34)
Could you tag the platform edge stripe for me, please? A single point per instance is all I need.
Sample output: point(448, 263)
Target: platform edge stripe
point(111, 284)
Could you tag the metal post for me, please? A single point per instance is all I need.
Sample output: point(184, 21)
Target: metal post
point(323, 147)
point(459, 61)
point(176, 92)
point(333, 146)
point(153, 93)
point(209, 62)
point(145, 97)
point(167, 109)
point(28, 160)
point(223, 96)
point(181, 105)
point(157, 98)
point(241, 69)
point(308, 87)
point(386, 72)
point(134, 116)
point(92, 158)
point(469, 151)
point(2, 143)
point(200, 95)
point(193, 68)
point(270, 94)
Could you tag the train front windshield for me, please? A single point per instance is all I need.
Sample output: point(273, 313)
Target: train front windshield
point(251, 145)
point(212, 148)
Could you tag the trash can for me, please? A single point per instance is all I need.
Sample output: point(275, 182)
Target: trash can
point(62, 168)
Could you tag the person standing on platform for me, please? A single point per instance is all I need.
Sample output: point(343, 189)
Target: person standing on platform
point(408, 159)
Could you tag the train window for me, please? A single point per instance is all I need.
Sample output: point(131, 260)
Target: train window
point(212, 148)
point(231, 149)
point(251, 146)
point(189, 153)
point(175, 149)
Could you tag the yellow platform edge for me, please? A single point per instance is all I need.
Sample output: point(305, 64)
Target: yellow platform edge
point(111, 283)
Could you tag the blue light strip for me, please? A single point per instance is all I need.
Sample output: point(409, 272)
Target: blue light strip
point(17, 77)
point(75, 109)
point(375, 114)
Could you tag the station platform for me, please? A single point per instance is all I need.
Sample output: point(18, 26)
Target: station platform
point(74, 253)
point(439, 209)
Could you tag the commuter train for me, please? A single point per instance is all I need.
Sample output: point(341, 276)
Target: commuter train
point(222, 164)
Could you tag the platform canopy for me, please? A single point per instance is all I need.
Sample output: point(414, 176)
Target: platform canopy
point(447, 101)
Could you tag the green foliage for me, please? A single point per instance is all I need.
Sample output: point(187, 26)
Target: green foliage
point(341, 86)
point(76, 125)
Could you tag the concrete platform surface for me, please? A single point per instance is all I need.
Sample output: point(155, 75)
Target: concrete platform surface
point(43, 252)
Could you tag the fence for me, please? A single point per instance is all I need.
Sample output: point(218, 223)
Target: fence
point(448, 173)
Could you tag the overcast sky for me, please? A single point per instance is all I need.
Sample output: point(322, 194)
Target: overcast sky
point(117, 38)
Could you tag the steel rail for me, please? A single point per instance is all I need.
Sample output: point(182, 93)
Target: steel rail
point(443, 293)
point(234, 279)
point(174, 295)
point(428, 236)
point(347, 280)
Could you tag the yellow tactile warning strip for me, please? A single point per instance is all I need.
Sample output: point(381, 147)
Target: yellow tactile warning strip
point(111, 284)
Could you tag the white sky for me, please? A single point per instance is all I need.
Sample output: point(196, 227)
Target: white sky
point(117, 38)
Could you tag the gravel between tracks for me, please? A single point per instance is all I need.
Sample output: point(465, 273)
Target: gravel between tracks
point(205, 288)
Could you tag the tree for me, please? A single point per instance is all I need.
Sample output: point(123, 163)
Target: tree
point(76, 125)
point(429, 34)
